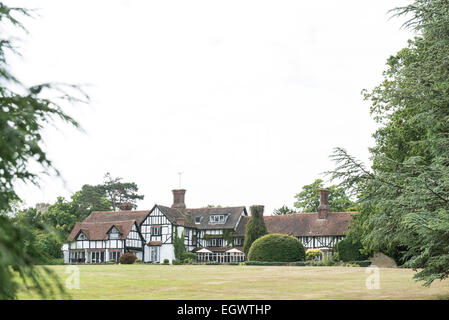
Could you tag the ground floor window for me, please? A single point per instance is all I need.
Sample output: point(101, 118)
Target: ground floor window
point(97, 257)
point(114, 255)
point(77, 256)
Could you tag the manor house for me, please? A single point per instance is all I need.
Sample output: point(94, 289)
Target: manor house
point(215, 234)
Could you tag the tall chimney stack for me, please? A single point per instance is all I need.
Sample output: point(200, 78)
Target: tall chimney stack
point(126, 206)
point(178, 199)
point(323, 208)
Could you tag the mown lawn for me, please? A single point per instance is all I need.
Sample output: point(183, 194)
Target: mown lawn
point(241, 282)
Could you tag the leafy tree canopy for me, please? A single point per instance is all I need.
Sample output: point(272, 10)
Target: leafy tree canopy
point(118, 192)
point(308, 199)
point(283, 210)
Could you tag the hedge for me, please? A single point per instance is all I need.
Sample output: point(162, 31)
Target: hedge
point(277, 247)
point(349, 250)
point(273, 263)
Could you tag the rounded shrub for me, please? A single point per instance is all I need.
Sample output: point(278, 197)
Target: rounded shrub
point(127, 258)
point(277, 247)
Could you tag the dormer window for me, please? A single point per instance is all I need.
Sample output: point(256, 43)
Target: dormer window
point(218, 218)
point(82, 236)
point(114, 234)
point(198, 220)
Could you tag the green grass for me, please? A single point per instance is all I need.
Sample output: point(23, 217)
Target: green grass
point(242, 282)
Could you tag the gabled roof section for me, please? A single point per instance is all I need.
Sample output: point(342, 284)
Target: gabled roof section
point(175, 215)
point(303, 224)
point(233, 216)
point(99, 230)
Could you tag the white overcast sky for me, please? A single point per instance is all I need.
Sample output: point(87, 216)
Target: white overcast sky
point(246, 98)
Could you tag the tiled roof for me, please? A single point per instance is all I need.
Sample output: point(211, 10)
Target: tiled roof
point(122, 215)
point(99, 230)
point(230, 223)
point(303, 224)
point(174, 214)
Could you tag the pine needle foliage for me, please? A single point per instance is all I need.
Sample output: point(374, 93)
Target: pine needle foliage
point(23, 113)
point(404, 195)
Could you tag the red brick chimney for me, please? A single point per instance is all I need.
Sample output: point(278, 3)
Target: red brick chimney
point(126, 206)
point(178, 199)
point(323, 208)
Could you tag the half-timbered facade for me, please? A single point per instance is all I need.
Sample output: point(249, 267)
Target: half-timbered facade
point(105, 236)
point(220, 231)
point(210, 228)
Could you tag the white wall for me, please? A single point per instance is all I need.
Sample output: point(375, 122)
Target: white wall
point(167, 252)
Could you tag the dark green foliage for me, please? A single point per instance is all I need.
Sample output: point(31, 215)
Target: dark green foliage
point(362, 263)
point(176, 262)
point(349, 250)
point(178, 244)
point(88, 199)
point(283, 210)
point(166, 261)
point(277, 247)
point(24, 111)
point(119, 192)
point(308, 199)
point(188, 257)
point(17, 252)
point(404, 200)
point(127, 258)
point(255, 228)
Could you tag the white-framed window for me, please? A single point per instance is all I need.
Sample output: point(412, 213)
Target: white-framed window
point(114, 255)
point(218, 218)
point(238, 241)
point(114, 234)
point(96, 257)
point(156, 231)
point(216, 242)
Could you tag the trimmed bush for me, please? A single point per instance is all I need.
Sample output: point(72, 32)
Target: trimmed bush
point(127, 258)
point(349, 250)
point(176, 262)
point(277, 247)
point(166, 261)
point(272, 263)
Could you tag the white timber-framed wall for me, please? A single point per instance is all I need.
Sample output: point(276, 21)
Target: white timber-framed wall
point(324, 243)
point(157, 232)
point(83, 250)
